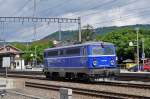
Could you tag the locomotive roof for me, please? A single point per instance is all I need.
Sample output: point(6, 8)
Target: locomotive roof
point(78, 45)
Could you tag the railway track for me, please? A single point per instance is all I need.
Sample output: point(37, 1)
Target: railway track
point(88, 92)
point(94, 93)
point(141, 85)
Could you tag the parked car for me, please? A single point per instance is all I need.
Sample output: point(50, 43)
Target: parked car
point(146, 67)
point(28, 67)
point(40, 66)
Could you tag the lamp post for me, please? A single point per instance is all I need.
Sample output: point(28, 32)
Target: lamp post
point(35, 56)
point(137, 46)
point(137, 43)
point(143, 53)
point(32, 59)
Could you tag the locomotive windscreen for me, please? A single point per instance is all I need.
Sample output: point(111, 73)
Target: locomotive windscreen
point(109, 50)
point(106, 50)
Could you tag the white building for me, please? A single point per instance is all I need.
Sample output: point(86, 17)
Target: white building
point(15, 56)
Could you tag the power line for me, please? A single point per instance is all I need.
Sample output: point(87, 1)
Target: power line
point(129, 3)
point(122, 18)
point(101, 5)
point(145, 9)
point(105, 3)
point(36, 19)
point(79, 8)
point(21, 8)
point(55, 6)
point(127, 16)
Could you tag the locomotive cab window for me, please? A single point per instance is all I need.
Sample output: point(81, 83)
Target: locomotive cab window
point(109, 50)
point(61, 52)
point(97, 50)
point(52, 53)
point(73, 51)
point(44, 54)
point(84, 51)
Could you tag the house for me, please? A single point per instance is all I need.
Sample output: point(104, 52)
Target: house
point(16, 62)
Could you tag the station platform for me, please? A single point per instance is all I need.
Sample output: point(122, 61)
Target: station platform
point(127, 75)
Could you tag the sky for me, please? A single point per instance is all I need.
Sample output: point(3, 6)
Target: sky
point(98, 13)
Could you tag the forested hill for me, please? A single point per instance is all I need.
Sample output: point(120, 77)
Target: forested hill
point(69, 35)
point(120, 36)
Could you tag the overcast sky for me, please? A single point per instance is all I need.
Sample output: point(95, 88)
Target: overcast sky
point(98, 13)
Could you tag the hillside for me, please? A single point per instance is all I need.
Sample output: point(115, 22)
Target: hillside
point(120, 36)
point(69, 35)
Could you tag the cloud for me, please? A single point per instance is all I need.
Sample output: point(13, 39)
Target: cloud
point(98, 13)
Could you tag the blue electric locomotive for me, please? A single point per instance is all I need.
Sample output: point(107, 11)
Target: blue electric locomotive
point(81, 61)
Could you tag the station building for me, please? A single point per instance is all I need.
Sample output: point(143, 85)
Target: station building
point(16, 62)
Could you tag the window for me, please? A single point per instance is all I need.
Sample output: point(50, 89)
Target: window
point(61, 52)
point(97, 50)
point(52, 53)
point(17, 63)
point(84, 51)
point(44, 54)
point(7, 48)
point(105, 50)
point(108, 50)
point(73, 51)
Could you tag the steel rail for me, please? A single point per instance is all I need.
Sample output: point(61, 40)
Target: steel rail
point(108, 83)
point(88, 92)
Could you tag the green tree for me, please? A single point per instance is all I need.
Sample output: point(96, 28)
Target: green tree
point(30, 48)
point(121, 39)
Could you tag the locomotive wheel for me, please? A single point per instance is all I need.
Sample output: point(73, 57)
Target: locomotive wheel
point(48, 75)
point(70, 76)
point(83, 77)
point(55, 75)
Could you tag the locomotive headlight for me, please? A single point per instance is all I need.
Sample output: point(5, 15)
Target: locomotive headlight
point(112, 62)
point(94, 62)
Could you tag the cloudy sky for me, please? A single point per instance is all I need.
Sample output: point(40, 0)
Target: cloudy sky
point(98, 13)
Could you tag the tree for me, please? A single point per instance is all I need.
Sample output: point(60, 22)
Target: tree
point(121, 39)
point(29, 49)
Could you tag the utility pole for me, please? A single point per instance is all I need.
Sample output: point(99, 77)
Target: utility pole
point(143, 53)
point(4, 45)
point(35, 55)
point(59, 26)
point(79, 28)
point(137, 32)
point(34, 8)
point(34, 15)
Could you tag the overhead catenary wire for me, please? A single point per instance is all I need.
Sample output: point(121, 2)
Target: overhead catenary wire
point(21, 11)
point(55, 6)
point(101, 4)
point(122, 18)
point(21, 8)
point(107, 21)
point(78, 8)
point(115, 19)
point(136, 10)
point(121, 6)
